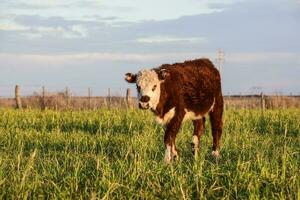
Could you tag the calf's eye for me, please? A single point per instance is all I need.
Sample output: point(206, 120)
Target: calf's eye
point(154, 87)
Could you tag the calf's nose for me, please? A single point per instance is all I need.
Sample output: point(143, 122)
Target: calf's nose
point(145, 99)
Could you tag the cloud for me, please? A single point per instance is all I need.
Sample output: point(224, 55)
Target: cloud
point(12, 27)
point(132, 11)
point(38, 21)
point(38, 5)
point(241, 27)
point(170, 39)
point(100, 18)
point(231, 59)
point(264, 58)
point(34, 27)
point(72, 32)
point(60, 59)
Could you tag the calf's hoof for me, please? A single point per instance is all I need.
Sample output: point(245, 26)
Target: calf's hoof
point(170, 154)
point(215, 154)
point(167, 160)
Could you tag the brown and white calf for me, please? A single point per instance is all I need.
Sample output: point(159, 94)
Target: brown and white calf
point(179, 92)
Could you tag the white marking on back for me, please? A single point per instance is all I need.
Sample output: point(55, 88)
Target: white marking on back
point(167, 117)
point(190, 115)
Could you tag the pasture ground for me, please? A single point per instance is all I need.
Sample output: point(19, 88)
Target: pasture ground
point(118, 154)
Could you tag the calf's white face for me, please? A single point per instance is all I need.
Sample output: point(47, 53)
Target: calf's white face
point(148, 87)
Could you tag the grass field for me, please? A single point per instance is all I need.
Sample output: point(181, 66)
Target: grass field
point(118, 154)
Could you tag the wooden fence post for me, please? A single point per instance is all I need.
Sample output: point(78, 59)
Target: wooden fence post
point(128, 98)
point(89, 97)
point(18, 98)
point(228, 101)
point(262, 102)
point(43, 98)
point(56, 107)
point(68, 97)
point(109, 99)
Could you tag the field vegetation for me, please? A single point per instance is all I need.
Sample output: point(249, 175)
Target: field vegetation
point(118, 154)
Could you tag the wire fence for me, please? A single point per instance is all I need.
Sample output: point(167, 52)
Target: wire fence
point(8, 91)
point(80, 98)
point(66, 98)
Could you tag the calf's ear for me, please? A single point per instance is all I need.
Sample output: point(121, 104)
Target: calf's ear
point(130, 78)
point(162, 74)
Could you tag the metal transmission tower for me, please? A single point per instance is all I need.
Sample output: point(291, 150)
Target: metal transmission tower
point(220, 59)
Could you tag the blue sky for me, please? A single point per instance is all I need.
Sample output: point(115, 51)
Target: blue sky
point(93, 43)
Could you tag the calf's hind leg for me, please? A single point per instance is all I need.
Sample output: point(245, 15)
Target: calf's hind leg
point(216, 125)
point(199, 126)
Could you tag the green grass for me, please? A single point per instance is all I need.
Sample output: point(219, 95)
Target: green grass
point(118, 154)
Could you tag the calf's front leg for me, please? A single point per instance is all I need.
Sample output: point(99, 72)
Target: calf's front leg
point(170, 135)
